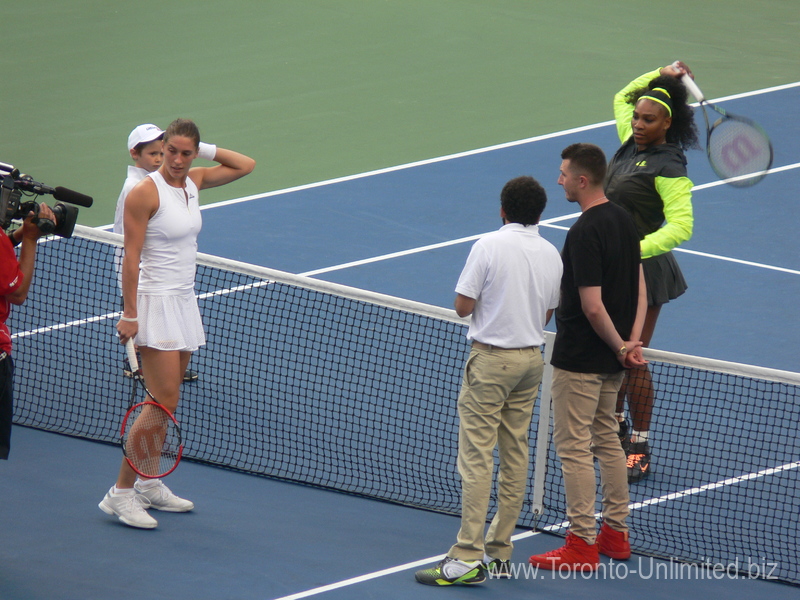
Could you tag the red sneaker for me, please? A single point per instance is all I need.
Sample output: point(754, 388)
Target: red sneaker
point(613, 544)
point(575, 555)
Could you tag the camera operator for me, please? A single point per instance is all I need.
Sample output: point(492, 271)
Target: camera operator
point(15, 281)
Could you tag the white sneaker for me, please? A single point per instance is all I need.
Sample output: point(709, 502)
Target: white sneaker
point(161, 497)
point(129, 507)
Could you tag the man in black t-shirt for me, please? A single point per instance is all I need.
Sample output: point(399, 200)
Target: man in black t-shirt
point(599, 322)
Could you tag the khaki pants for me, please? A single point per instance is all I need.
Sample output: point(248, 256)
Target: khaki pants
point(498, 391)
point(585, 426)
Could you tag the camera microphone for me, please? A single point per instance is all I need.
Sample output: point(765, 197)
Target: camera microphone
point(59, 193)
point(26, 183)
point(67, 195)
point(13, 184)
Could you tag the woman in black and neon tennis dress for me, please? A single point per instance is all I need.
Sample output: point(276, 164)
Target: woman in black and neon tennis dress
point(647, 176)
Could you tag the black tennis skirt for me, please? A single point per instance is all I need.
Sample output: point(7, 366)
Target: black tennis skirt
point(664, 279)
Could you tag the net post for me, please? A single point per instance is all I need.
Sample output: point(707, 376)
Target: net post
point(543, 430)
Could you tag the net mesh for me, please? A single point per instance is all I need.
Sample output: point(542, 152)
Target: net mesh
point(311, 382)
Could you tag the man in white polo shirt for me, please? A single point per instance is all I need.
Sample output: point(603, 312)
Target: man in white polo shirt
point(510, 286)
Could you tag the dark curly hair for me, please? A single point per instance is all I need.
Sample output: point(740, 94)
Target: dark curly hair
point(683, 130)
point(523, 199)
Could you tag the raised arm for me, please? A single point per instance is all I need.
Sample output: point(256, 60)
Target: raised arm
point(232, 166)
point(624, 111)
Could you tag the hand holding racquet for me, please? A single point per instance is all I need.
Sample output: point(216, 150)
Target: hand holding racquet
point(738, 149)
point(150, 436)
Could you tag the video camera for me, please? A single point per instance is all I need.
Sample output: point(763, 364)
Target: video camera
point(14, 184)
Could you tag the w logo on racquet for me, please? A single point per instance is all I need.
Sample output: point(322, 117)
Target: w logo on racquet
point(739, 151)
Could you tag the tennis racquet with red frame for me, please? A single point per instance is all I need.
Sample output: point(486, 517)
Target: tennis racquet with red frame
point(738, 149)
point(150, 435)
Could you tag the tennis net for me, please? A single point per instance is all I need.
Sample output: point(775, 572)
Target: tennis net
point(317, 383)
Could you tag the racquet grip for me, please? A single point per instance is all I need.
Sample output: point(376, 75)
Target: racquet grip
point(692, 87)
point(133, 361)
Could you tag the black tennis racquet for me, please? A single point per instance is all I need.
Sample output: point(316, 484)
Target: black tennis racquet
point(150, 435)
point(738, 149)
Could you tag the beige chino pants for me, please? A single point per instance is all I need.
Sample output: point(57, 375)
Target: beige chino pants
point(584, 426)
point(498, 391)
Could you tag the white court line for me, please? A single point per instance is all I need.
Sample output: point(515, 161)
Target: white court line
point(704, 186)
point(739, 261)
point(502, 146)
point(556, 527)
point(716, 257)
point(116, 314)
point(419, 249)
point(716, 485)
point(419, 163)
point(458, 155)
point(545, 223)
point(551, 223)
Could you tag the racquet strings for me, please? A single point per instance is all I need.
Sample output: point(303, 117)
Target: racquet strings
point(737, 148)
point(151, 440)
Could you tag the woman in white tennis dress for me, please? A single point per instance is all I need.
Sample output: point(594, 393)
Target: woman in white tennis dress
point(161, 223)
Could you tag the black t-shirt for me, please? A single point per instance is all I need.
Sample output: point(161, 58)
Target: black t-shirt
point(601, 249)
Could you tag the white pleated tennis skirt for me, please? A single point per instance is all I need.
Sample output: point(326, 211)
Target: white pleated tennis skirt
point(170, 322)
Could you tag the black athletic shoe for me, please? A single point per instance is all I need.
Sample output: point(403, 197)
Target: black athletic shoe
point(453, 572)
point(638, 461)
point(624, 435)
point(498, 569)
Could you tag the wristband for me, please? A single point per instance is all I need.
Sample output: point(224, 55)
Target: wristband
point(129, 319)
point(207, 151)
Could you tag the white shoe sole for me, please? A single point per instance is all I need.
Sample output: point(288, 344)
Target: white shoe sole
point(171, 509)
point(166, 507)
point(110, 511)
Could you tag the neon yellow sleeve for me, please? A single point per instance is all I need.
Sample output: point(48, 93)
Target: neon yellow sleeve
point(676, 193)
point(624, 111)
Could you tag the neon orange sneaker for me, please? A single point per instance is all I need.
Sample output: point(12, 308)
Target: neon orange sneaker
point(575, 555)
point(613, 544)
point(638, 461)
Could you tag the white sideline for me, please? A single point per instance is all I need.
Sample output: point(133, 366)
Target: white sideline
point(558, 526)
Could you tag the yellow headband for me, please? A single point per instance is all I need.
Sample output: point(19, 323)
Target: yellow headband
point(661, 96)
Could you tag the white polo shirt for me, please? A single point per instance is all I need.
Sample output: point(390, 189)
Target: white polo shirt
point(514, 275)
point(135, 175)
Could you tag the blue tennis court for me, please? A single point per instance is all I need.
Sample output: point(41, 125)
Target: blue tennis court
point(403, 232)
point(406, 232)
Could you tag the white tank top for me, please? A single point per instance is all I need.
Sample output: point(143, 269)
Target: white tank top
point(170, 243)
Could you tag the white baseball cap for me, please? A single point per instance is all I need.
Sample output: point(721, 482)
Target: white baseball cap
point(144, 134)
